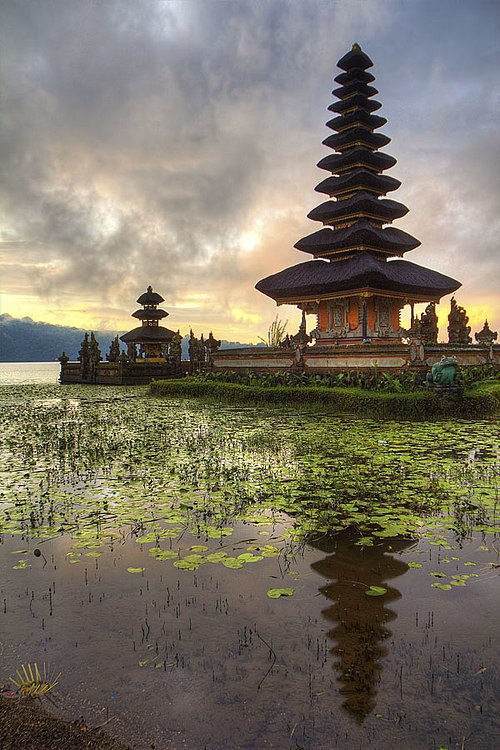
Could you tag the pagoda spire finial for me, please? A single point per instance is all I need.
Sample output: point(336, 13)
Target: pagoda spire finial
point(356, 47)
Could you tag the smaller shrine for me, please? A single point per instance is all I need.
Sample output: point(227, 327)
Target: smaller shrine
point(150, 341)
point(153, 352)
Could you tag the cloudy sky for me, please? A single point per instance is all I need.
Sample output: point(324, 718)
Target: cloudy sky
point(174, 143)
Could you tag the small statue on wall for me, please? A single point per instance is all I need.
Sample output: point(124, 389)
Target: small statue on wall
point(486, 336)
point(175, 350)
point(458, 330)
point(443, 372)
point(84, 357)
point(196, 353)
point(211, 345)
point(429, 324)
point(114, 351)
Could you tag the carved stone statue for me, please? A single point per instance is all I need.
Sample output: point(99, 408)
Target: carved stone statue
point(458, 330)
point(211, 345)
point(84, 357)
point(429, 324)
point(175, 353)
point(486, 336)
point(443, 372)
point(301, 338)
point(114, 351)
point(196, 352)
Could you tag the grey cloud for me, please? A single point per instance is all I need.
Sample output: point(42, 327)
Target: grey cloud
point(140, 139)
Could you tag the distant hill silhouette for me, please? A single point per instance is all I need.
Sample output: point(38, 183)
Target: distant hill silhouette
point(24, 340)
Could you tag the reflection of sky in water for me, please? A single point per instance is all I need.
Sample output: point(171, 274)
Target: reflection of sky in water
point(171, 651)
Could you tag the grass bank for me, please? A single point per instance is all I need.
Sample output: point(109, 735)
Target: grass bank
point(483, 399)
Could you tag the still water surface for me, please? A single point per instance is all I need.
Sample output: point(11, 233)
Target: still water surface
point(117, 489)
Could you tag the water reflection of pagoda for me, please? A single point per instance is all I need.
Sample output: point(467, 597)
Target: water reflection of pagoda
point(353, 288)
point(360, 620)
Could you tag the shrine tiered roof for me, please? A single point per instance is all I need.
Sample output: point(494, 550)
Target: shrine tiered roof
point(150, 298)
point(150, 314)
point(360, 205)
point(354, 240)
point(362, 272)
point(361, 234)
point(358, 179)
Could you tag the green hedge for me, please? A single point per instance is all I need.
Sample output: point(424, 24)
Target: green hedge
point(483, 399)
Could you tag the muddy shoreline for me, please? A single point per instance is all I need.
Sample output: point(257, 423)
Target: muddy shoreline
point(27, 724)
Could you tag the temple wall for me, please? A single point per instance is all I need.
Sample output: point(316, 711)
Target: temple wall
point(117, 373)
point(321, 359)
point(354, 363)
point(266, 359)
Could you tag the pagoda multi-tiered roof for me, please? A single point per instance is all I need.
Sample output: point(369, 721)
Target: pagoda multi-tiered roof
point(149, 332)
point(355, 244)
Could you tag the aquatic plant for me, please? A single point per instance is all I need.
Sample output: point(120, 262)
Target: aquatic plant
point(32, 683)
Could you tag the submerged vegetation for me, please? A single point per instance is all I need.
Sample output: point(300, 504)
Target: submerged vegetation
point(252, 556)
point(33, 683)
point(178, 477)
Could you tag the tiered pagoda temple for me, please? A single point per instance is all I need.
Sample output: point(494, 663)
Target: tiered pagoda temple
point(150, 340)
point(354, 288)
point(153, 352)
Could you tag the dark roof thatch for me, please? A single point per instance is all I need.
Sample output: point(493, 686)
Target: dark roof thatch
point(150, 298)
point(357, 157)
point(356, 87)
point(362, 203)
point(362, 234)
point(355, 58)
point(147, 334)
point(150, 314)
point(319, 278)
point(360, 179)
point(356, 137)
point(355, 119)
point(354, 102)
point(356, 74)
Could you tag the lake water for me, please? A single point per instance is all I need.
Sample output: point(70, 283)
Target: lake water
point(162, 526)
point(24, 373)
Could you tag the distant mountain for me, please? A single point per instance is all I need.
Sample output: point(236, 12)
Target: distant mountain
point(24, 340)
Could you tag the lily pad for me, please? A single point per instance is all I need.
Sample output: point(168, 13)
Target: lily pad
point(276, 593)
point(376, 591)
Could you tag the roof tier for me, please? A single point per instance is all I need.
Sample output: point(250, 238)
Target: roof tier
point(355, 58)
point(150, 298)
point(354, 138)
point(150, 314)
point(360, 205)
point(319, 279)
point(147, 334)
point(378, 161)
point(360, 236)
point(355, 74)
point(353, 88)
point(355, 119)
point(358, 179)
point(358, 101)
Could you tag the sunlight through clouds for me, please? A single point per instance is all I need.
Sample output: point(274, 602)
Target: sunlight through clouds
point(175, 143)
